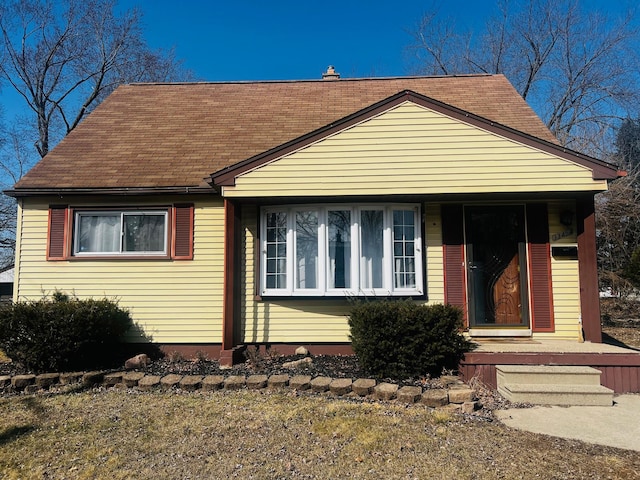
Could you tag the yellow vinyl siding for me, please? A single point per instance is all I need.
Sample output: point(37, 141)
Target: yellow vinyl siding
point(564, 274)
point(288, 320)
point(323, 319)
point(435, 261)
point(566, 300)
point(174, 301)
point(559, 233)
point(413, 150)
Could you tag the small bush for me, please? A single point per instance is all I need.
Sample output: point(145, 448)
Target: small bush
point(61, 333)
point(400, 339)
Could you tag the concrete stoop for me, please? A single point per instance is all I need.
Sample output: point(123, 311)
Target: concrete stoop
point(552, 385)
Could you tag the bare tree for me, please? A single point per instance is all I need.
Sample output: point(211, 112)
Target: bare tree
point(64, 57)
point(578, 69)
point(618, 219)
point(618, 232)
point(15, 160)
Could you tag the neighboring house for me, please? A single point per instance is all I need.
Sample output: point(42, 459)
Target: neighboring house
point(6, 283)
point(226, 214)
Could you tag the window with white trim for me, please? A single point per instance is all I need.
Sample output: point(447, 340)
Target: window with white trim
point(314, 250)
point(135, 232)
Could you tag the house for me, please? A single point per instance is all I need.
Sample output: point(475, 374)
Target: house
point(235, 213)
point(6, 283)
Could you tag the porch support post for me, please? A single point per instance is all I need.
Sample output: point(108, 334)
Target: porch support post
point(231, 273)
point(588, 267)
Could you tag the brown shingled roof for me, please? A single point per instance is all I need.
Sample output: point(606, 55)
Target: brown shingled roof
point(175, 135)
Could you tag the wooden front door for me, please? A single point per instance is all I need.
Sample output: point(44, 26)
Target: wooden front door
point(496, 266)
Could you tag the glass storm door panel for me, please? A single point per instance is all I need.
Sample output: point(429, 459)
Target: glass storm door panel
point(496, 266)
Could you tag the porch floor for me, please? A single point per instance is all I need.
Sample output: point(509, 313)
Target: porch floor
point(620, 366)
point(546, 346)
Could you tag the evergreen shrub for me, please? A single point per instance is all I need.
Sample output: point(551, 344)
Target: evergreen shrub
point(401, 339)
point(59, 333)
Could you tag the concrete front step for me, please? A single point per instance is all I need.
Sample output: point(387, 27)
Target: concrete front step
point(542, 394)
point(547, 375)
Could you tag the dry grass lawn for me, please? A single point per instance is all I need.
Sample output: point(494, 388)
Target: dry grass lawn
point(248, 434)
point(629, 336)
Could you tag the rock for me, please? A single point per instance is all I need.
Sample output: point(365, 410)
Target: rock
point(112, 379)
point(340, 386)
point(435, 398)
point(300, 382)
point(302, 351)
point(470, 407)
point(90, 379)
point(460, 394)
point(190, 382)
point(170, 381)
point(45, 380)
point(139, 361)
point(149, 382)
point(211, 383)
point(364, 386)
point(409, 394)
point(320, 384)
point(31, 389)
point(257, 381)
point(20, 382)
point(131, 379)
point(234, 382)
point(451, 408)
point(278, 381)
point(70, 378)
point(298, 363)
point(386, 391)
point(450, 380)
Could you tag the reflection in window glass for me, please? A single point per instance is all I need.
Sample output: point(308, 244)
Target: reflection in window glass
point(144, 233)
point(306, 249)
point(371, 247)
point(339, 222)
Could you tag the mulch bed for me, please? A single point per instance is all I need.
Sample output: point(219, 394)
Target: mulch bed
point(333, 366)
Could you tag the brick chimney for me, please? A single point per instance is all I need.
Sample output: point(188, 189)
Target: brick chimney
point(330, 74)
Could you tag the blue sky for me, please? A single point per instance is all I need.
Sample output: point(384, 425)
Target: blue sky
point(278, 39)
point(274, 40)
point(291, 39)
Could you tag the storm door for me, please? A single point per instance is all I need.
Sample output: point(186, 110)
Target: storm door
point(496, 266)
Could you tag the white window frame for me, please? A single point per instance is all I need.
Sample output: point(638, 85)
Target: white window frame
point(322, 267)
point(122, 213)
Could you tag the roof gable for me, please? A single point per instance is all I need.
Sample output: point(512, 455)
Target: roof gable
point(405, 148)
point(154, 136)
point(599, 169)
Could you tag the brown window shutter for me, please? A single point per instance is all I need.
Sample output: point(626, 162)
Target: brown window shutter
point(182, 232)
point(455, 288)
point(57, 234)
point(540, 268)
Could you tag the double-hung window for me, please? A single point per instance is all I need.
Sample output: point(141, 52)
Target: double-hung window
point(136, 232)
point(342, 250)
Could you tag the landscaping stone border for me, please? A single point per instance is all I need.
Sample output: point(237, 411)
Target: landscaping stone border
point(457, 396)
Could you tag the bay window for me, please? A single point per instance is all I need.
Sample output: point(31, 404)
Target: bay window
point(319, 250)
